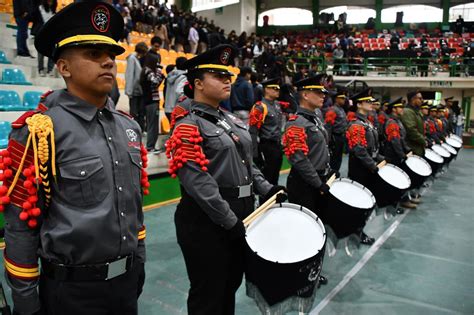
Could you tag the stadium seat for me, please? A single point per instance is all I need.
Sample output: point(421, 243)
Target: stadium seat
point(31, 99)
point(10, 101)
point(14, 76)
point(121, 83)
point(5, 128)
point(3, 58)
point(121, 67)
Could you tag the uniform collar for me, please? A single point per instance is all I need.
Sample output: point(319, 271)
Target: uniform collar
point(81, 108)
point(205, 108)
point(305, 111)
point(361, 116)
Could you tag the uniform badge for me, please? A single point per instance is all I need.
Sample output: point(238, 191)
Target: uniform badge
point(225, 56)
point(132, 135)
point(100, 18)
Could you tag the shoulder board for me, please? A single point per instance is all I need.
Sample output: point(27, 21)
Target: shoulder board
point(285, 105)
point(351, 116)
point(45, 95)
point(182, 98)
point(41, 107)
point(21, 121)
point(125, 114)
point(293, 117)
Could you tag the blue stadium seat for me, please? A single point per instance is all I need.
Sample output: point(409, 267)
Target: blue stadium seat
point(3, 58)
point(10, 101)
point(31, 99)
point(14, 76)
point(5, 128)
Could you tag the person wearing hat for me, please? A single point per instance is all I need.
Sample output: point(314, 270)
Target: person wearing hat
point(305, 142)
point(395, 147)
point(265, 126)
point(430, 123)
point(450, 115)
point(372, 116)
point(412, 119)
point(75, 177)
point(363, 144)
point(210, 150)
point(336, 124)
point(443, 122)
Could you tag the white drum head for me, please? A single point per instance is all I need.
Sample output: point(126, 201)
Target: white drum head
point(419, 165)
point(456, 138)
point(286, 234)
point(449, 148)
point(352, 193)
point(441, 151)
point(433, 156)
point(395, 176)
point(454, 143)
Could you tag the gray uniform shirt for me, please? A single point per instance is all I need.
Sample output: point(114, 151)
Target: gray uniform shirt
point(366, 148)
point(271, 127)
point(335, 120)
point(317, 158)
point(226, 168)
point(96, 208)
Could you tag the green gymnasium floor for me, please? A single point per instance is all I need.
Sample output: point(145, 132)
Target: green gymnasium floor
point(422, 262)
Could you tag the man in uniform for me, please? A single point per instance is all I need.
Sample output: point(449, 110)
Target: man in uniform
point(431, 132)
point(450, 116)
point(444, 129)
point(336, 124)
point(265, 126)
point(210, 150)
point(363, 144)
point(412, 119)
point(74, 175)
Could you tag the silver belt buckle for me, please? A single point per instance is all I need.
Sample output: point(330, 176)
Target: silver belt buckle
point(116, 268)
point(245, 191)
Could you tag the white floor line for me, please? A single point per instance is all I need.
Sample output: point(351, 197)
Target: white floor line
point(360, 264)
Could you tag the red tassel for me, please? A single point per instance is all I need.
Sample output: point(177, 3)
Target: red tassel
point(356, 136)
point(392, 131)
point(294, 139)
point(330, 117)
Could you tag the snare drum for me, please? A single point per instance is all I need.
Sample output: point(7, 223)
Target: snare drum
point(285, 251)
point(389, 185)
point(454, 143)
point(434, 159)
point(443, 152)
point(450, 149)
point(417, 169)
point(456, 138)
point(348, 208)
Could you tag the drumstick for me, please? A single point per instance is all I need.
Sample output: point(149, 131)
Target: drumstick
point(410, 153)
point(262, 209)
point(331, 179)
point(382, 164)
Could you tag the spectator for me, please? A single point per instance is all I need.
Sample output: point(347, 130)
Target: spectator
point(203, 38)
point(337, 55)
point(22, 11)
point(258, 50)
point(460, 119)
point(175, 82)
point(247, 54)
point(133, 88)
point(47, 9)
point(162, 32)
point(459, 25)
point(150, 79)
point(242, 94)
point(193, 38)
point(155, 47)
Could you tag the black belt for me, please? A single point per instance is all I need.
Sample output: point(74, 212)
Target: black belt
point(237, 192)
point(94, 272)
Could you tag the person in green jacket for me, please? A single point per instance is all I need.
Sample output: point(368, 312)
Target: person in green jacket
point(412, 119)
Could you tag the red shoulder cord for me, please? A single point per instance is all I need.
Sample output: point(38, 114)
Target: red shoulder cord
point(356, 136)
point(256, 117)
point(294, 139)
point(392, 131)
point(351, 116)
point(330, 117)
point(381, 119)
point(144, 181)
point(183, 146)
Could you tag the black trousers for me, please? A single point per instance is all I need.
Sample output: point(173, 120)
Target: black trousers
point(214, 262)
point(137, 110)
point(117, 296)
point(337, 149)
point(152, 120)
point(272, 153)
point(303, 194)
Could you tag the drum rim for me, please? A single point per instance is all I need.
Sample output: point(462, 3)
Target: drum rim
point(353, 182)
point(423, 161)
point(440, 147)
point(456, 137)
point(403, 172)
point(449, 148)
point(297, 208)
point(455, 141)
point(433, 152)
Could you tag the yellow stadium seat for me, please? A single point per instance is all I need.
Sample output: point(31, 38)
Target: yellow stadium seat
point(165, 123)
point(121, 66)
point(121, 83)
point(189, 56)
point(181, 54)
point(164, 53)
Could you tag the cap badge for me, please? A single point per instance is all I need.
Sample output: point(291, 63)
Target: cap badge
point(101, 18)
point(225, 56)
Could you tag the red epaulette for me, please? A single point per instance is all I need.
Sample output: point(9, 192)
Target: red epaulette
point(45, 95)
point(392, 131)
point(177, 113)
point(125, 113)
point(356, 136)
point(182, 98)
point(144, 181)
point(184, 146)
point(256, 117)
point(351, 116)
point(284, 105)
point(381, 118)
point(294, 139)
point(293, 117)
point(330, 117)
point(21, 121)
point(371, 119)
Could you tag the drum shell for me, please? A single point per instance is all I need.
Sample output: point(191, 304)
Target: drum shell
point(434, 166)
point(416, 179)
point(450, 142)
point(276, 282)
point(344, 219)
point(448, 159)
point(385, 194)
